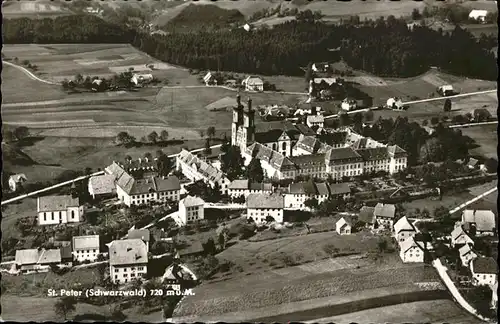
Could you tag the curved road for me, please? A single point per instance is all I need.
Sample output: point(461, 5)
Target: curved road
point(29, 73)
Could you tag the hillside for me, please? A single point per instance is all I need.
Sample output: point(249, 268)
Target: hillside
point(12, 155)
point(204, 17)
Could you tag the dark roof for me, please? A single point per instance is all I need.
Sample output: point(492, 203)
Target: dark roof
point(195, 248)
point(305, 160)
point(66, 252)
point(55, 203)
point(167, 184)
point(303, 187)
point(343, 153)
point(334, 138)
point(485, 265)
point(304, 129)
point(273, 201)
point(366, 215)
point(269, 136)
point(375, 153)
point(339, 188)
point(141, 234)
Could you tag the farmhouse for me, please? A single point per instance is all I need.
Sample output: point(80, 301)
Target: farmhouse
point(394, 103)
point(244, 187)
point(86, 247)
point(209, 79)
point(102, 186)
point(128, 260)
point(140, 234)
point(191, 209)
point(142, 191)
point(139, 79)
point(193, 251)
point(344, 226)
point(466, 254)
point(367, 216)
point(194, 168)
point(54, 210)
point(16, 181)
point(479, 15)
point(348, 104)
point(320, 67)
point(37, 260)
point(459, 237)
point(484, 271)
point(384, 214)
point(410, 251)
point(445, 90)
point(404, 229)
point(253, 84)
point(481, 221)
point(247, 27)
point(261, 206)
point(298, 193)
point(315, 120)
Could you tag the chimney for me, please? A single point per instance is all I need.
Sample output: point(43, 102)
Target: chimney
point(249, 104)
point(140, 161)
point(238, 100)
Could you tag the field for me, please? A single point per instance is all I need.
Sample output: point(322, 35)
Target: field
point(486, 136)
point(29, 9)
point(331, 277)
point(435, 311)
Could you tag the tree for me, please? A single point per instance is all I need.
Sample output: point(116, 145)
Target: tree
point(345, 120)
point(255, 173)
point(209, 247)
point(148, 156)
point(124, 138)
point(311, 203)
point(64, 306)
point(21, 132)
point(309, 73)
point(434, 121)
point(153, 137)
point(425, 122)
point(208, 149)
point(270, 219)
point(164, 135)
point(222, 240)
point(232, 163)
point(128, 158)
point(382, 245)
point(447, 105)
point(432, 150)
point(368, 116)
point(225, 144)
point(165, 164)
point(211, 131)
point(415, 14)
point(491, 165)
point(8, 136)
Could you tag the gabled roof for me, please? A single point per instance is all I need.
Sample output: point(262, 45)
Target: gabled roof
point(305, 161)
point(385, 210)
point(408, 244)
point(344, 221)
point(322, 189)
point(396, 151)
point(464, 250)
point(35, 256)
point(486, 265)
point(303, 187)
point(141, 234)
point(238, 184)
point(115, 169)
point(18, 177)
point(208, 171)
point(339, 188)
point(366, 215)
point(102, 184)
point(56, 203)
point(125, 252)
point(457, 232)
point(403, 224)
point(191, 201)
point(374, 153)
point(268, 201)
point(87, 242)
point(167, 184)
point(342, 153)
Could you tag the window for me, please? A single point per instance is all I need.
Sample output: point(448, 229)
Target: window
point(116, 276)
point(52, 215)
point(125, 275)
point(44, 217)
point(72, 214)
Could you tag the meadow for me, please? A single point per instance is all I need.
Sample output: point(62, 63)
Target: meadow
point(38, 9)
point(486, 136)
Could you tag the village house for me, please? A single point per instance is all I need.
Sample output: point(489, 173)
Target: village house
point(244, 187)
point(484, 271)
point(16, 181)
point(298, 193)
point(209, 79)
point(307, 145)
point(367, 216)
point(37, 260)
point(86, 247)
point(479, 15)
point(445, 90)
point(394, 103)
point(348, 104)
point(384, 214)
point(53, 210)
point(344, 226)
point(253, 84)
point(140, 234)
point(320, 67)
point(128, 260)
point(466, 254)
point(191, 209)
point(66, 253)
point(410, 251)
point(102, 186)
point(315, 120)
point(404, 229)
point(260, 206)
point(195, 169)
point(139, 79)
point(482, 222)
point(193, 251)
point(460, 237)
point(136, 192)
point(140, 168)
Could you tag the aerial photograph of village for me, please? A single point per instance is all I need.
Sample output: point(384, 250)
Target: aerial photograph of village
point(263, 161)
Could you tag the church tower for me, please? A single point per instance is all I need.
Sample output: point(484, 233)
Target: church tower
point(249, 124)
point(237, 122)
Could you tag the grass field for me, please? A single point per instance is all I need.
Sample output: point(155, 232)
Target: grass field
point(435, 311)
point(486, 136)
point(29, 9)
point(332, 277)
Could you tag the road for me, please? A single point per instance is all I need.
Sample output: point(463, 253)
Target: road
point(419, 101)
point(473, 124)
point(29, 73)
point(473, 200)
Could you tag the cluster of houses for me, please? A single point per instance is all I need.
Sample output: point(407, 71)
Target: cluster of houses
point(250, 83)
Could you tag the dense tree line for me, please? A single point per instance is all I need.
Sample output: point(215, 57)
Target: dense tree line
point(383, 47)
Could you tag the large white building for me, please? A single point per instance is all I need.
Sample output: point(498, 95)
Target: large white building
point(404, 229)
point(191, 209)
point(484, 271)
point(102, 185)
point(260, 206)
point(410, 251)
point(385, 214)
point(53, 210)
point(195, 169)
point(344, 226)
point(86, 248)
point(479, 15)
point(238, 188)
point(128, 260)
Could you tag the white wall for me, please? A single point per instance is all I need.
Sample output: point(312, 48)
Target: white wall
point(403, 235)
point(413, 255)
point(259, 214)
point(483, 279)
point(82, 255)
point(127, 273)
point(71, 215)
point(191, 214)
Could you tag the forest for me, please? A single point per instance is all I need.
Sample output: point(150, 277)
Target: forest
point(382, 47)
